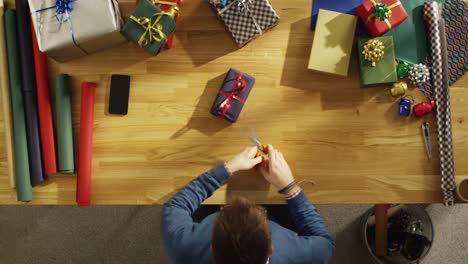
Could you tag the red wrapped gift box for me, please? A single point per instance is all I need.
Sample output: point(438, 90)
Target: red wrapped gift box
point(166, 5)
point(376, 26)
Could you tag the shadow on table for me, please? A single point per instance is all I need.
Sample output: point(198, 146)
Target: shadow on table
point(335, 92)
point(204, 46)
point(202, 120)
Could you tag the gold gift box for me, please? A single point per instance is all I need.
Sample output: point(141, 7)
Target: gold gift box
point(333, 42)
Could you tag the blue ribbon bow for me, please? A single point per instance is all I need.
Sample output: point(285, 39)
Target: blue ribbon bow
point(63, 8)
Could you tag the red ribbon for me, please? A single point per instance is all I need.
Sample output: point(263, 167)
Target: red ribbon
point(226, 104)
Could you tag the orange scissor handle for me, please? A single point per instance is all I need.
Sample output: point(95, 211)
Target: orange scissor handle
point(260, 152)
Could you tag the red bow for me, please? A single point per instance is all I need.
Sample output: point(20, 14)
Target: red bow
point(226, 104)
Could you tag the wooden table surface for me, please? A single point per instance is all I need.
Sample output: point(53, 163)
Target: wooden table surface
point(349, 140)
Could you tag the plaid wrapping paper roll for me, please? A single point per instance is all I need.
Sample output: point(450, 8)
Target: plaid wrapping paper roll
point(432, 13)
point(247, 19)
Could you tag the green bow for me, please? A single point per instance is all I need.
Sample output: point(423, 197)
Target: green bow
point(381, 11)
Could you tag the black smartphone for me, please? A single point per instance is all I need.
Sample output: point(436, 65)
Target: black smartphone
point(119, 92)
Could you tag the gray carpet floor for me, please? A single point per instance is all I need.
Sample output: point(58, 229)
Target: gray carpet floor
point(131, 234)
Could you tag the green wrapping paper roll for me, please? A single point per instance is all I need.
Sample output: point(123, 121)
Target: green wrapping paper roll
point(23, 180)
point(63, 122)
point(6, 100)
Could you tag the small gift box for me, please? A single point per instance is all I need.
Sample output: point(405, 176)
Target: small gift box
point(247, 19)
point(171, 6)
point(381, 16)
point(377, 62)
point(149, 26)
point(69, 29)
point(232, 95)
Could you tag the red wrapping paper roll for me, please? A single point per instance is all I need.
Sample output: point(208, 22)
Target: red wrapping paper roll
point(85, 154)
point(45, 109)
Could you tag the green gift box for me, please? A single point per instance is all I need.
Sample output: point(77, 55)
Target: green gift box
point(149, 27)
point(384, 71)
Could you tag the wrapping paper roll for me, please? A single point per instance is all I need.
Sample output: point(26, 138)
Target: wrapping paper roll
point(5, 90)
point(83, 186)
point(63, 124)
point(28, 83)
point(435, 25)
point(45, 109)
point(22, 176)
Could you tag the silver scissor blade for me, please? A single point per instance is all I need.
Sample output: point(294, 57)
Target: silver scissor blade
point(257, 142)
point(254, 133)
point(250, 138)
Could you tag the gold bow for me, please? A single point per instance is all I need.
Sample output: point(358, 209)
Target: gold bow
point(372, 16)
point(153, 29)
point(173, 11)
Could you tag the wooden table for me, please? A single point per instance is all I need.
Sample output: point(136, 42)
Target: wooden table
point(349, 140)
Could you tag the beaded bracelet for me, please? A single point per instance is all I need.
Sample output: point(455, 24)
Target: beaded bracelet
point(293, 195)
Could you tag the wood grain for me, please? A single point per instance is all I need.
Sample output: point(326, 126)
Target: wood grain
point(349, 140)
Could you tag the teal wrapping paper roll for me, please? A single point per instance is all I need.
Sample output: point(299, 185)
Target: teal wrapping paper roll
point(23, 179)
point(63, 124)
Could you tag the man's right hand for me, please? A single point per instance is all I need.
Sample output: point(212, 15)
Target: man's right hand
point(276, 170)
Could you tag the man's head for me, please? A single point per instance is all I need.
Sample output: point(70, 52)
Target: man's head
point(241, 234)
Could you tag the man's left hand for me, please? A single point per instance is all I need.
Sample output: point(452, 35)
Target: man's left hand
point(246, 160)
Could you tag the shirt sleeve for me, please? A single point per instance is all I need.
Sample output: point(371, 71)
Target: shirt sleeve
point(309, 223)
point(176, 214)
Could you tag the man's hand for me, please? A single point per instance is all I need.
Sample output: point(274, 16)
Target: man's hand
point(276, 170)
point(244, 161)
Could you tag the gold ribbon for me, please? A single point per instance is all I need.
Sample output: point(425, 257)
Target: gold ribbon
point(152, 29)
point(173, 11)
point(369, 18)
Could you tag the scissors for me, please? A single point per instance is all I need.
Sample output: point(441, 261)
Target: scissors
point(261, 148)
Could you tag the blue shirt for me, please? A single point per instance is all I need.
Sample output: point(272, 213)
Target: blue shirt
point(189, 242)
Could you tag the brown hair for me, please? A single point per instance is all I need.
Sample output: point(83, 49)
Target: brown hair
point(241, 234)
